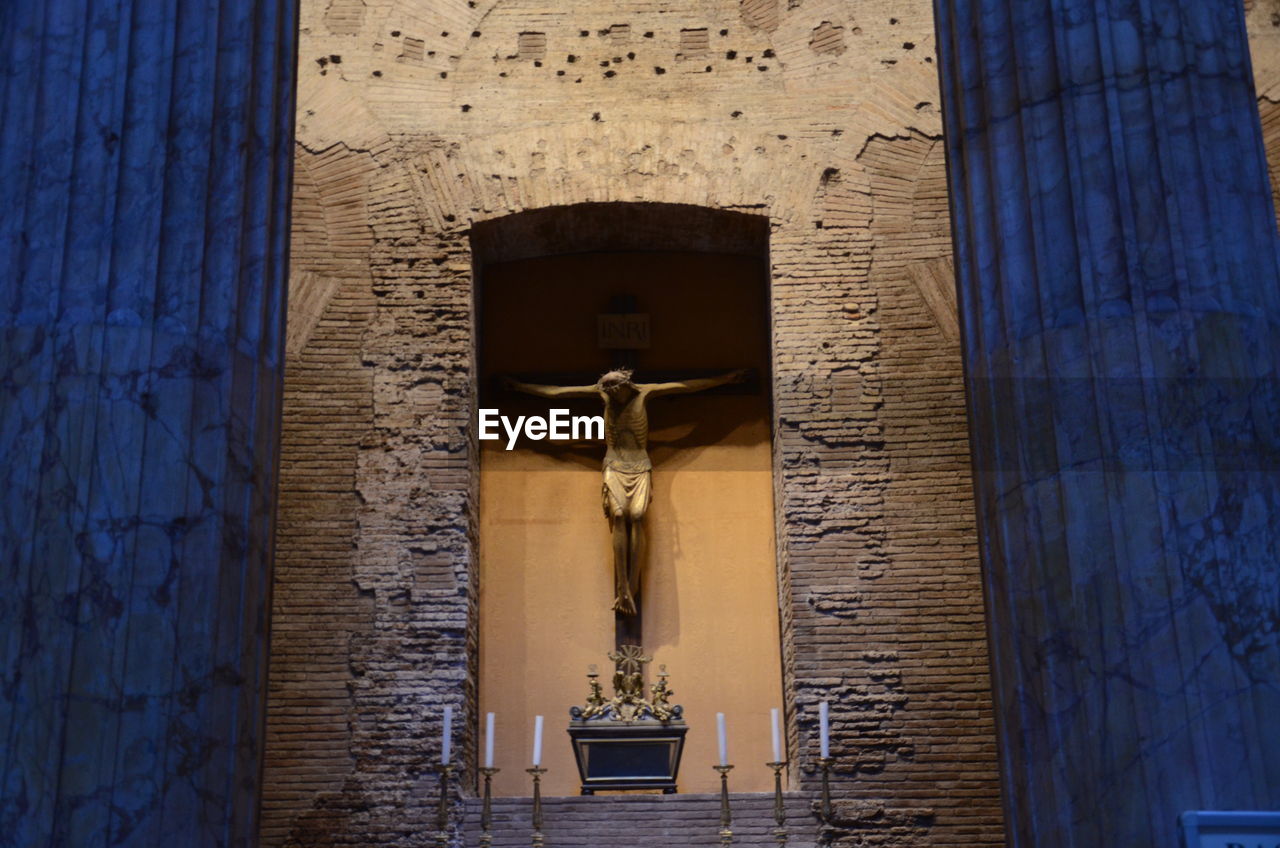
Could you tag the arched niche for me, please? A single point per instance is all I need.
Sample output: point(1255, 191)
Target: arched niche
point(710, 592)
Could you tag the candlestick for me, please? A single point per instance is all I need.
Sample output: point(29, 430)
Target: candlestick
point(442, 811)
point(537, 799)
point(720, 737)
point(486, 810)
point(488, 741)
point(537, 741)
point(825, 764)
point(777, 741)
point(446, 736)
point(726, 834)
point(824, 728)
point(779, 809)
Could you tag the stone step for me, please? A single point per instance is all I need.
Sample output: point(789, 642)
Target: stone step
point(644, 821)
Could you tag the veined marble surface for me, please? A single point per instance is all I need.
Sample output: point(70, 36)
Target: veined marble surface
point(145, 154)
point(1117, 262)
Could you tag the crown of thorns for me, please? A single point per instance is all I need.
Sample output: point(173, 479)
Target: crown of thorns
point(615, 378)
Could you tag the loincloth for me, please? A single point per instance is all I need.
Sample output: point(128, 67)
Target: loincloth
point(626, 492)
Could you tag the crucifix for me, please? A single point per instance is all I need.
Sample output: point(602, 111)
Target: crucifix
point(625, 489)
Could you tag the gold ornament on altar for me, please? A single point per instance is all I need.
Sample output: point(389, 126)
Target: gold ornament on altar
point(629, 702)
point(633, 740)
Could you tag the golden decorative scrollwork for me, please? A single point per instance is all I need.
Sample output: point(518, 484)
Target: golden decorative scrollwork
point(629, 702)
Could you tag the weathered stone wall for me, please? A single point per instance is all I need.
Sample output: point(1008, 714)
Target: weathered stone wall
point(418, 119)
point(1263, 20)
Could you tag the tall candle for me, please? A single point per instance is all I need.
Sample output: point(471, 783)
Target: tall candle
point(537, 741)
point(724, 746)
point(446, 736)
point(777, 741)
point(488, 740)
point(824, 728)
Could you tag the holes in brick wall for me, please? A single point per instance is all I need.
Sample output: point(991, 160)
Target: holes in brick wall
point(827, 39)
point(694, 43)
point(531, 46)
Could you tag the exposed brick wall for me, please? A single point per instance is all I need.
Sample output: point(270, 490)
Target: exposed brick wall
point(821, 117)
point(1263, 20)
point(319, 615)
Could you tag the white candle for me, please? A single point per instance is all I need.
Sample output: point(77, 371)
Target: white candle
point(724, 747)
point(824, 728)
point(537, 741)
point(777, 740)
point(488, 740)
point(446, 736)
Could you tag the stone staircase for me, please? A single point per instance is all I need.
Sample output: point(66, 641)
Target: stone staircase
point(644, 821)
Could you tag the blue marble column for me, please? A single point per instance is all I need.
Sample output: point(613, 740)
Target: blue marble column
point(1117, 258)
point(145, 158)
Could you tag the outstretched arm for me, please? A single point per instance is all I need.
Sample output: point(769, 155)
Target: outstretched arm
point(549, 391)
point(684, 387)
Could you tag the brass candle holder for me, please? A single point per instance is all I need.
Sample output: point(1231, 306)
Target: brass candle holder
point(726, 819)
point(825, 764)
point(442, 811)
point(779, 809)
point(486, 809)
point(537, 774)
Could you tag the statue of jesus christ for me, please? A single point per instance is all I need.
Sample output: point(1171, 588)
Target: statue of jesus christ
point(625, 491)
